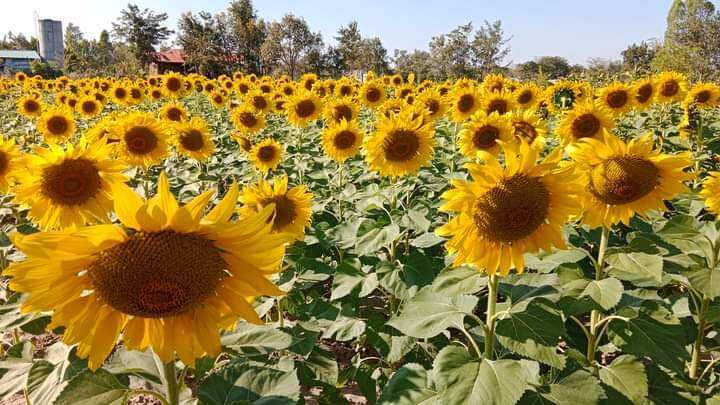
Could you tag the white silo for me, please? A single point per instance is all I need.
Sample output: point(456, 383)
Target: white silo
point(50, 39)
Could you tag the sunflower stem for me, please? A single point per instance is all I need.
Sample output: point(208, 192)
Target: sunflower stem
point(171, 383)
point(490, 317)
point(595, 314)
point(697, 347)
point(700, 146)
point(281, 317)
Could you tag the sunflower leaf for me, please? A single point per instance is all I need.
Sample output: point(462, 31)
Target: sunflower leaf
point(428, 314)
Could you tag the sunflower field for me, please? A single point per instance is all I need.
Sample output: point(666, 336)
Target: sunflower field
point(175, 239)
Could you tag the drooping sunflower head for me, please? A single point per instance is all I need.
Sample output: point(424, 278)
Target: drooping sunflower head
point(342, 141)
point(171, 283)
point(174, 112)
point(192, 139)
point(624, 179)
point(259, 101)
point(585, 120)
point(340, 109)
point(88, 106)
point(248, 120)
point(509, 209)
point(308, 80)
point(69, 186)
point(672, 86)
point(56, 124)
point(372, 93)
point(494, 83)
point(243, 141)
point(266, 155)
point(501, 102)
point(30, 106)
point(645, 91)
point(616, 98)
point(703, 95)
point(433, 102)
point(292, 206)
point(400, 144)
point(464, 101)
point(302, 108)
point(143, 139)
point(528, 126)
point(483, 133)
point(11, 161)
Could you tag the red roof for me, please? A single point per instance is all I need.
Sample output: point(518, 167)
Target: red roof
point(171, 56)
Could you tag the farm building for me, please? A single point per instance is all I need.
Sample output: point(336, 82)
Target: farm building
point(12, 61)
point(172, 60)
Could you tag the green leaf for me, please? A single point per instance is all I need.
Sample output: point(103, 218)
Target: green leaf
point(706, 281)
point(407, 386)
point(344, 328)
point(88, 388)
point(606, 292)
point(249, 336)
point(627, 376)
point(580, 387)
point(427, 314)
point(375, 239)
point(661, 340)
point(663, 391)
point(641, 269)
point(687, 234)
point(461, 280)
point(464, 380)
point(533, 331)
point(239, 382)
point(546, 263)
point(323, 365)
point(348, 277)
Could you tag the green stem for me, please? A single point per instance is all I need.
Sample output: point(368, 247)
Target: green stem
point(697, 347)
point(281, 317)
point(171, 383)
point(595, 315)
point(490, 317)
point(700, 146)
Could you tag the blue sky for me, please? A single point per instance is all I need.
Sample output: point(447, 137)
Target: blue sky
point(577, 29)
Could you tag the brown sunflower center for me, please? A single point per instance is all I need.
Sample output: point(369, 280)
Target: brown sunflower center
point(58, 125)
point(585, 126)
point(466, 103)
point(525, 130)
point(644, 93)
point(247, 119)
point(158, 274)
point(120, 93)
point(702, 97)
point(245, 144)
point(266, 153)
point(4, 162)
point(192, 140)
point(309, 84)
point(341, 112)
point(669, 88)
point(72, 182)
point(32, 106)
point(173, 84)
point(497, 105)
point(402, 145)
point(485, 137)
point(140, 140)
point(288, 90)
point(136, 94)
point(622, 180)
point(372, 94)
point(513, 209)
point(433, 106)
point(174, 114)
point(525, 97)
point(345, 90)
point(259, 102)
point(88, 107)
point(345, 139)
point(285, 213)
point(617, 99)
point(305, 108)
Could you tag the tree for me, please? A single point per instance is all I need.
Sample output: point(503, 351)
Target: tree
point(288, 45)
point(246, 35)
point(18, 42)
point(418, 62)
point(544, 68)
point(451, 53)
point(489, 48)
point(142, 30)
point(358, 53)
point(691, 40)
point(638, 57)
point(200, 39)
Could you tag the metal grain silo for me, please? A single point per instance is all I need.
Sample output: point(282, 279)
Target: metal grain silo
point(50, 38)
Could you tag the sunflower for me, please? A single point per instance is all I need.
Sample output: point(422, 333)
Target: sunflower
point(259, 101)
point(173, 112)
point(396, 80)
point(11, 162)
point(623, 179)
point(644, 90)
point(616, 99)
point(585, 120)
point(703, 95)
point(672, 86)
point(526, 125)
point(501, 102)
point(243, 86)
point(120, 94)
point(400, 144)
point(216, 99)
point(308, 80)
point(507, 211)
point(56, 124)
point(143, 139)
point(248, 120)
point(155, 94)
point(482, 133)
point(302, 108)
point(136, 95)
point(170, 283)
point(564, 94)
point(340, 109)
point(88, 106)
point(292, 206)
point(173, 85)
point(29, 106)
point(65, 187)
point(342, 140)
point(527, 96)
point(372, 93)
point(266, 155)
point(345, 87)
point(464, 101)
point(433, 102)
point(494, 83)
point(192, 139)
point(245, 143)
point(711, 192)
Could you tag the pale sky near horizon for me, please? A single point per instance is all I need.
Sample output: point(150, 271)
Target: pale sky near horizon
point(574, 29)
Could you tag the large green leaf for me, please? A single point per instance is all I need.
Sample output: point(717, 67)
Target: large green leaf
point(580, 387)
point(707, 281)
point(249, 383)
point(348, 276)
point(641, 269)
point(626, 374)
point(88, 388)
point(427, 314)
point(375, 239)
point(464, 380)
point(408, 386)
point(255, 337)
point(606, 292)
point(461, 280)
point(688, 235)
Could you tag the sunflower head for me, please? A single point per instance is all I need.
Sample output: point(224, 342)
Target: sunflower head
point(143, 139)
point(192, 139)
point(174, 112)
point(57, 124)
point(303, 107)
point(463, 101)
point(672, 86)
point(585, 120)
point(483, 134)
point(616, 98)
point(703, 95)
point(433, 102)
point(645, 91)
point(527, 96)
point(342, 140)
point(30, 106)
point(266, 155)
point(372, 93)
point(528, 126)
point(89, 106)
point(259, 101)
point(500, 102)
point(340, 109)
point(11, 162)
point(248, 120)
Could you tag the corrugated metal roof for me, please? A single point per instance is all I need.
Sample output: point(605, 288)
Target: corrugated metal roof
point(12, 54)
